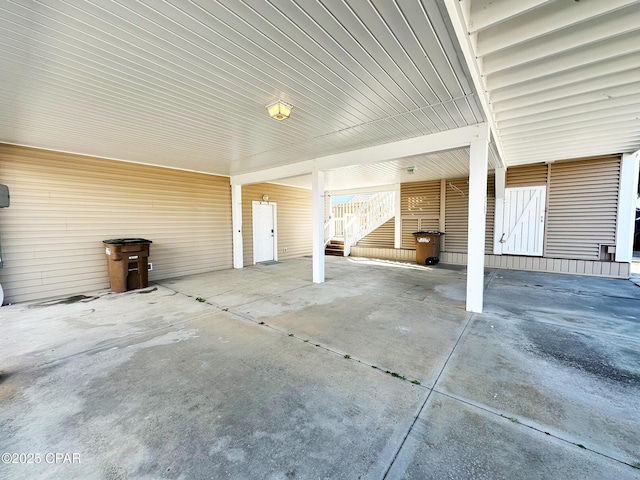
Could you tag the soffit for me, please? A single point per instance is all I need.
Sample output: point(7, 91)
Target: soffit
point(562, 77)
point(184, 84)
point(431, 166)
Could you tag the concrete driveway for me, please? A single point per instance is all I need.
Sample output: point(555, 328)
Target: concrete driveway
point(378, 373)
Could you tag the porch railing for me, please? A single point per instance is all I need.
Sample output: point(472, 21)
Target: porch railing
point(359, 219)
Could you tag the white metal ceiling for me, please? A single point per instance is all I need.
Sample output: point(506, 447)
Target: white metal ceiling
point(184, 83)
point(562, 76)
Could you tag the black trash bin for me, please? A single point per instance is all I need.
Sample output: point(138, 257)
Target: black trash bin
point(428, 247)
point(127, 263)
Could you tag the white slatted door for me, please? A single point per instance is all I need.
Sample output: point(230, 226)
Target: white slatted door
point(523, 224)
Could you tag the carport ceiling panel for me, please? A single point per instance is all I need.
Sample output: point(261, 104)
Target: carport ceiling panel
point(184, 84)
point(431, 166)
point(563, 68)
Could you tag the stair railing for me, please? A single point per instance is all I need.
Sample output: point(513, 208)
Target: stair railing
point(329, 231)
point(370, 215)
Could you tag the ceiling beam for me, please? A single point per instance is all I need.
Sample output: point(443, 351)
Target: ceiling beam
point(273, 173)
point(605, 85)
point(570, 101)
point(535, 139)
point(485, 14)
point(588, 55)
point(576, 113)
point(574, 79)
point(570, 152)
point(586, 139)
point(612, 115)
point(454, 9)
point(391, 187)
point(557, 43)
point(544, 21)
point(435, 142)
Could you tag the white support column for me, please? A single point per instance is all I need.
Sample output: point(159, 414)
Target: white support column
point(397, 235)
point(478, 165)
point(317, 205)
point(498, 220)
point(236, 221)
point(442, 220)
point(627, 197)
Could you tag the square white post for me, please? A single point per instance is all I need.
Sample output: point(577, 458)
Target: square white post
point(498, 220)
point(627, 197)
point(236, 221)
point(478, 165)
point(397, 226)
point(317, 205)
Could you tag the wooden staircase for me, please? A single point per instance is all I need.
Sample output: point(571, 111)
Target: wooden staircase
point(335, 248)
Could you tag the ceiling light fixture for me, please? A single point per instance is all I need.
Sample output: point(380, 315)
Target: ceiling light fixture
point(279, 110)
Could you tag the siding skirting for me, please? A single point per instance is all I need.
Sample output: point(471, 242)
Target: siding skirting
point(549, 265)
point(399, 254)
point(509, 262)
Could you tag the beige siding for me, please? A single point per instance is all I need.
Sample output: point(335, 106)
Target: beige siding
point(540, 264)
point(293, 207)
point(526, 176)
point(491, 213)
point(583, 200)
point(581, 215)
point(63, 206)
point(456, 213)
point(420, 209)
point(397, 254)
point(383, 236)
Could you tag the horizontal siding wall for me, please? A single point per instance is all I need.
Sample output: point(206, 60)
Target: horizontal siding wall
point(63, 206)
point(509, 262)
point(456, 223)
point(457, 215)
point(583, 206)
point(527, 176)
point(293, 210)
point(398, 254)
point(548, 265)
point(383, 236)
point(581, 216)
point(419, 209)
point(491, 214)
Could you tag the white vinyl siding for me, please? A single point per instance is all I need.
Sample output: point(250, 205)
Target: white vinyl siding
point(582, 211)
point(63, 206)
point(294, 223)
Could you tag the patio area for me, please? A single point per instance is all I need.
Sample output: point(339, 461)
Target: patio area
point(377, 373)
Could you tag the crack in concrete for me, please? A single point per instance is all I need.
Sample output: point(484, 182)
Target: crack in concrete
point(431, 390)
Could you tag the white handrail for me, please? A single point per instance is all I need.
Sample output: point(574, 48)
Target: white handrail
point(329, 231)
point(369, 216)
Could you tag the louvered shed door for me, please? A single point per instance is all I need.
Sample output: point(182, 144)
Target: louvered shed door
point(524, 221)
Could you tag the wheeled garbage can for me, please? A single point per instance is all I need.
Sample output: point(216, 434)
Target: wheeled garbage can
point(127, 263)
point(427, 247)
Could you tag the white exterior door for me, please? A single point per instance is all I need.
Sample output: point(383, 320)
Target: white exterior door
point(264, 232)
point(523, 225)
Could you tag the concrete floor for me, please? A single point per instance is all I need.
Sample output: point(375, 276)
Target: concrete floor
point(378, 373)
